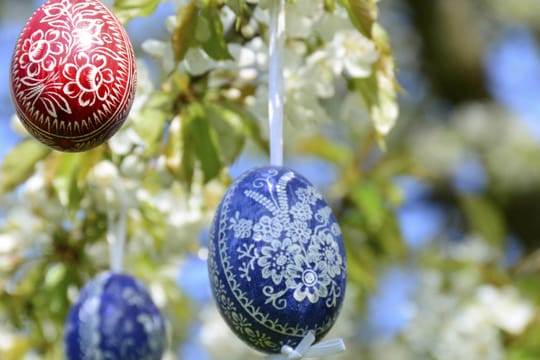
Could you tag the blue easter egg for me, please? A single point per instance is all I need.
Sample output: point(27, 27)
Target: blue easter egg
point(276, 262)
point(114, 318)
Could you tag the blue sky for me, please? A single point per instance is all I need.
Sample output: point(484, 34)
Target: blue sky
point(8, 35)
point(513, 67)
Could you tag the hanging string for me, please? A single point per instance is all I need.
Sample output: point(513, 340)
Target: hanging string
point(116, 232)
point(305, 349)
point(275, 81)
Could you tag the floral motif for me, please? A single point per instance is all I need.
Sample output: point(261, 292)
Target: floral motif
point(55, 11)
point(267, 229)
point(40, 52)
point(308, 195)
point(301, 211)
point(241, 227)
point(309, 278)
point(88, 78)
point(240, 322)
point(258, 338)
point(47, 92)
point(323, 214)
point(299, 231)
point(277, 259)
point(327, 250)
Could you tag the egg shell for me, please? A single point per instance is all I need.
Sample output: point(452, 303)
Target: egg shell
point(277, 262)
point(114, 318)
point(73, 74)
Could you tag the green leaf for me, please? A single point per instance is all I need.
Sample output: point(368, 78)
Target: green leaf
point(204, 140)
point(214, 43)
point(368, 89)
point(247, 121)
point(67, 171)
point(329, 5)
point(88, 160)
point(361, 266)
point(150, 122)
point(378, 93)
point(380, 37)
point(200, 26)
point(183, 34)
point(228, 130)
point(180, 151)
point(238, 6)
point(19, 163)
point(369, 200)
point(94, 226)
point(173, 148)
point(188, 158)
point(362, 13)
point(126, 10)
point(154, 223)
point(327, 150)
point(389, 238)
point(484, 218)
point(63, 172)
point(231, 120)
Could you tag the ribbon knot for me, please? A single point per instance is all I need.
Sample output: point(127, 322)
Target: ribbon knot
point(290, 352)
point(306, 349)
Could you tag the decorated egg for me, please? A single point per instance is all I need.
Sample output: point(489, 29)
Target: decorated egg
point(114, 318)
point(277, 261)
point(73, 74)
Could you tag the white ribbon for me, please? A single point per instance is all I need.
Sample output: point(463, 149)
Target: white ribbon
point(275, 80)
point(116, 231)
point(305, 349)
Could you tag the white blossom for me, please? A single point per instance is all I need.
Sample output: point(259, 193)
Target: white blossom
point(197, 62)
point(351, 53)
point(457, 316)
point(505, 308)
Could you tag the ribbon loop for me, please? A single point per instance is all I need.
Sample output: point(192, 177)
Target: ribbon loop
point(306, 349)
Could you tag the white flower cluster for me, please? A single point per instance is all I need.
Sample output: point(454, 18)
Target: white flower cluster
point(312, 74)
point(26, 223)
point(321, 50)
point(484, 130)
point(458, 318)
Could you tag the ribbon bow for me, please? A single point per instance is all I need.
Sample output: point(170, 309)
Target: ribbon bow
point(305, 349)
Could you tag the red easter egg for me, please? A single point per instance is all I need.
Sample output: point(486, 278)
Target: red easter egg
point(73, 74)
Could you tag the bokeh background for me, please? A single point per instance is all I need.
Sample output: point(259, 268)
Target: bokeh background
point(442, 228)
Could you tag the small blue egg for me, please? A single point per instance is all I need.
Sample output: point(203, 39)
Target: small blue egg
point(277, 261)
point(114, 318)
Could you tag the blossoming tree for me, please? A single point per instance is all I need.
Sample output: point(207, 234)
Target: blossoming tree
point(199, 117)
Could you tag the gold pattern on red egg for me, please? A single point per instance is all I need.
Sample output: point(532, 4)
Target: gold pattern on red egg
point(73, 74)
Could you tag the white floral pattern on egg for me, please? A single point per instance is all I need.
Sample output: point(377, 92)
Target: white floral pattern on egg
point(114, 318)
point(277, 261)
point(73, 74)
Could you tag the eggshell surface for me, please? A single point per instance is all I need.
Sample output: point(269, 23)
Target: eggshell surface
point(73, 74)
point(114, 318)
point(277, 262)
